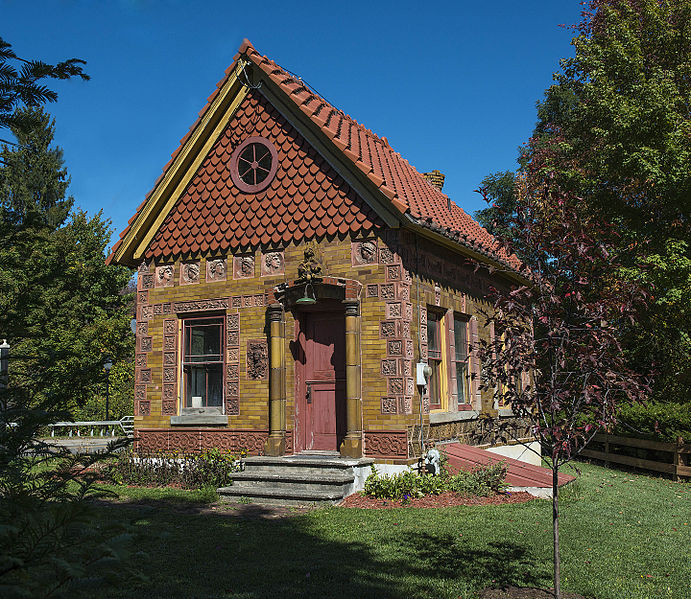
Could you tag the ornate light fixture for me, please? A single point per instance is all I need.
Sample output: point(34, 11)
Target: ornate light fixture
point(306, 300)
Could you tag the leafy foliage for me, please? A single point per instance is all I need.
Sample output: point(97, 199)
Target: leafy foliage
point(481, 481)
point(47, 542)
point(21, 85)
point(211, 468)
point(658, 421)
point(57, 295)
point(615, 130)
point(500, 191)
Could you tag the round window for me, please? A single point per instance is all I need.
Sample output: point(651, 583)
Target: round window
point(253, 164)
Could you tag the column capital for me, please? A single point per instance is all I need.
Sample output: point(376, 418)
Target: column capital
point(276, 312)
point(352, 307)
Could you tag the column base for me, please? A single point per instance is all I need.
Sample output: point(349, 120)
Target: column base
point(275, 446)
point(351, 447)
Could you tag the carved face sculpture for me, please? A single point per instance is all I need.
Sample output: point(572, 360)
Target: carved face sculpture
point(165, 273)
point(191, 272)
point(247, 266)
point(368, 251)
point(273, 262)
point(217, 269)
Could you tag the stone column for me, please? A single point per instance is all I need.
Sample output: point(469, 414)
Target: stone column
point(276, 443)
point(352, 444)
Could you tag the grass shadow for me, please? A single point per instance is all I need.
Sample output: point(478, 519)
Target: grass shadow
point(189, 552)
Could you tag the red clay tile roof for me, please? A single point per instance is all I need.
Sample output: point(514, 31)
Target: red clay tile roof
point(390, 172)
point(306, 198)
point(394, 176)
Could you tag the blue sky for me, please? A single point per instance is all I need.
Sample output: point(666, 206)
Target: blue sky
point(452, 85)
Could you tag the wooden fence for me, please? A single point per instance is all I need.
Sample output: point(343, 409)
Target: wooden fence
point(641, 453)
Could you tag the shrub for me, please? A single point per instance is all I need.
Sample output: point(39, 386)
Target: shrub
point(659, 421)
point(211, 468)
point(481, 481)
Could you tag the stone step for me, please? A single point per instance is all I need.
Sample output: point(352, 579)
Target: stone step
point(309, 465)
point(304, 479)
point(298, 477)
point(334, 484)
point(280, 496)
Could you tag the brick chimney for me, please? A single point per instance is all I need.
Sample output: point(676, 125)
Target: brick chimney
point(436, 178)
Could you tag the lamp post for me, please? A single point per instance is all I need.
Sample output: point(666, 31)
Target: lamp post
point(4, 363)
point(107, 365)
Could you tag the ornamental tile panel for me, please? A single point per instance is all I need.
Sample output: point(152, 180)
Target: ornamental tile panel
point(216, 270)
point(389, 405)
point(165, 275)
point(163, 309)
point(363, 253)
point(386, 256)
point(393, 310)
point(389, 367)
point(243, 267)
point(189, 273)
point(273, 264)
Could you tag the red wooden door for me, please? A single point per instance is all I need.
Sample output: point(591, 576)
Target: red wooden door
point(322, 417)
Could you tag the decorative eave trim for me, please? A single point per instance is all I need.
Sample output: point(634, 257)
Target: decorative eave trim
point(437, 235)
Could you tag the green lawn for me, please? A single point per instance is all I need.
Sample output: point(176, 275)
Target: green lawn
point(624, 536)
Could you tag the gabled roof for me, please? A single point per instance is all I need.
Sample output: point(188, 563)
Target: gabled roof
point(393, 182)
point(306, 199)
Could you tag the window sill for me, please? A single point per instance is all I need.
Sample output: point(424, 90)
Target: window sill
point(505, 412)
point(196, 416)
point(444, 417)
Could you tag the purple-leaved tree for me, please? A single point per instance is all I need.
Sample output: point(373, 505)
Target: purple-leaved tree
point(555, 356)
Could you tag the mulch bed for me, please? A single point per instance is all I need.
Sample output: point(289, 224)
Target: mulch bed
point(448, 499)
point(524, 593)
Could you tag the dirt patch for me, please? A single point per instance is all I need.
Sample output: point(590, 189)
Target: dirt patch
point(524, 593)
point(448, 499)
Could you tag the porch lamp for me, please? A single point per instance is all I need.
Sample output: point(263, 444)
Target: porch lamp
point(306, 300)
point(107, 365)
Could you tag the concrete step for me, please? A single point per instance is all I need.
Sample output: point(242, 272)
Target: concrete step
point(296, 477)
point(280, 496)
point(303, 479)
point(310, 463)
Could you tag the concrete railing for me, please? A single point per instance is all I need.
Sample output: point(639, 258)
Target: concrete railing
point(94, 428)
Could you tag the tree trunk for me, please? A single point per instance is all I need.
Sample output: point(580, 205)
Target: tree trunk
point(555, 530)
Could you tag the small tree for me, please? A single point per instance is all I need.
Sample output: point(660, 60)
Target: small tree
point(555, 356)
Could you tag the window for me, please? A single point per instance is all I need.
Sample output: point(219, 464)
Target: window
point(253, 164)
point(434, 358)
point(202, 362)
point(460, 358)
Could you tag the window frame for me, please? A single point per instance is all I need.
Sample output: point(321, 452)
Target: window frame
point(188, 362)
point(435, 359)
point(461, 322)
point(235, 158)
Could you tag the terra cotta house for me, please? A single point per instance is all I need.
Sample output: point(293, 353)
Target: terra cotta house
point(293, 269)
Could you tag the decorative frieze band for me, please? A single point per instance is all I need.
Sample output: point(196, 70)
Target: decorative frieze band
point(220, 303)
point(386, 444)
point(149, 441)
